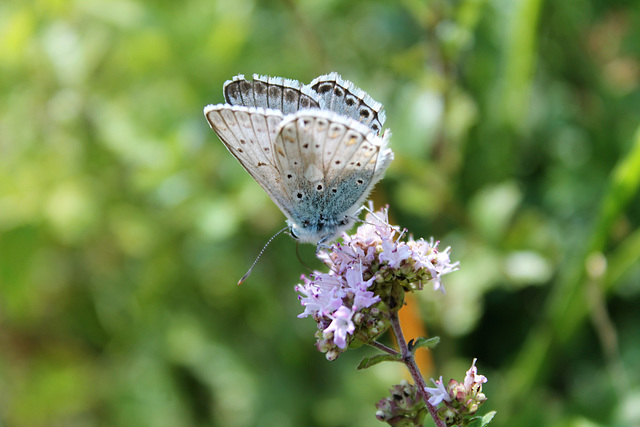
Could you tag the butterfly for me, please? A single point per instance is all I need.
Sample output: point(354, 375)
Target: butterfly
point(315, 149)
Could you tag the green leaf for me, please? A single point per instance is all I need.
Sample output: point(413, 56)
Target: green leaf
point(482, 421)
point(423, 342)
point(368, 362)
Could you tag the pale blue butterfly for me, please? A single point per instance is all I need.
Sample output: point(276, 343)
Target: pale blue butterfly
point(314, 149)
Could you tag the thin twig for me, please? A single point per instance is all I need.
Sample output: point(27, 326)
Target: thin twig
point(384, 348)
point(410, 362)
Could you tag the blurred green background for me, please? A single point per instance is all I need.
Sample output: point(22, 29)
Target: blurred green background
point(125, 223)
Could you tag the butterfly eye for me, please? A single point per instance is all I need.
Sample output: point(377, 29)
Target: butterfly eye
point(292, 232)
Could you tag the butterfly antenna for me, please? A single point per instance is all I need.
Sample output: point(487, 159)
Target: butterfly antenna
point(259, 255)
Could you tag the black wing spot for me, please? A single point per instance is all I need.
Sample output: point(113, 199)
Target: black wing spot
point(299, 195)
point(350, 101)
point(338, 92)
point(289, 176)
point(290, 95)
point(319, 187)
point(324, 88)
point(334, 190)
point(364, 113)
point(259, 87)
point(245, 86)
point(359, 182)
point(337, 162)
point(275, 91)
point(305, 145)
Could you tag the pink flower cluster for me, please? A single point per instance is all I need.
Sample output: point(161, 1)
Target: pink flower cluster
point(461, 398)
point(368, 275)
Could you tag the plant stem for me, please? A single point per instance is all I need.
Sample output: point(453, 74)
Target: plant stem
point(383, 347)
point(410, 362)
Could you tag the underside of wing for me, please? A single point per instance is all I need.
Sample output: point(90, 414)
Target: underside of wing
point(329, 164)
point(345, 98)
point(277, 93)
point(248, 134)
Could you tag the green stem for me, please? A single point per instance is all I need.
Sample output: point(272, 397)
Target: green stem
point(383, 347)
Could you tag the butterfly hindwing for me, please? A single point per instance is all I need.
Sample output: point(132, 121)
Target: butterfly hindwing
point(329, 164)
point(354, 160)
point(285, 95)
point(345, 98)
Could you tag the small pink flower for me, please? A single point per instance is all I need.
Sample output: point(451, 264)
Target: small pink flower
point(393, 253)
point(363, 298)
point(472, 380)
point(341, 326)
point(320, 295)
point(439, 393)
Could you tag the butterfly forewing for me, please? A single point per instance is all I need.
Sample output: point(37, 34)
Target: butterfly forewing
point(248, 134)
point(288, 160)
point(346, 99)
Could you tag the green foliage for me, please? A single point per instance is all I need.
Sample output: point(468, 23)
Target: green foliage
point(429, 343)
point(125, 224)
point(483, 421)
point(368, 362)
